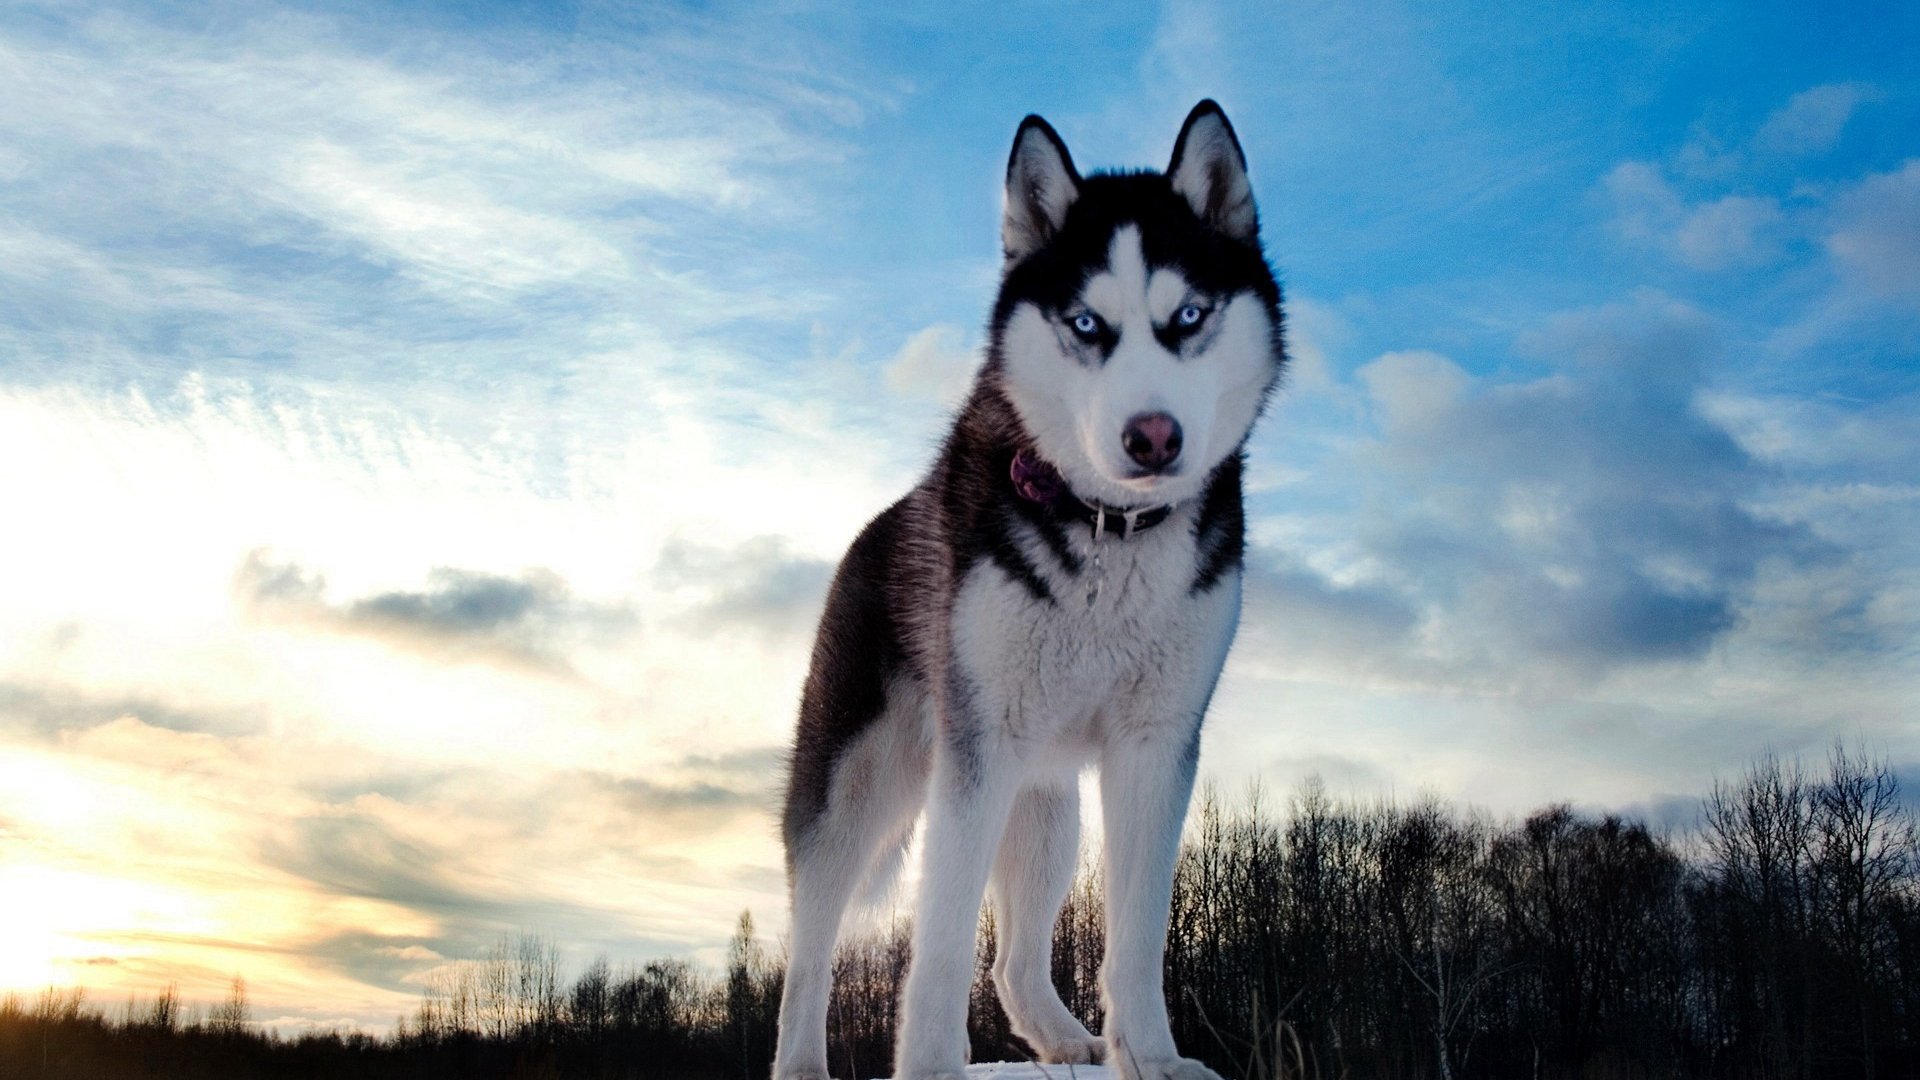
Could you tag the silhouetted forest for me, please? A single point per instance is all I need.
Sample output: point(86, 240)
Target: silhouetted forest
point(1780, 938)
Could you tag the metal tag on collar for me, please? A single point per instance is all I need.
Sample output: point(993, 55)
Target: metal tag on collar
point(1132, 518)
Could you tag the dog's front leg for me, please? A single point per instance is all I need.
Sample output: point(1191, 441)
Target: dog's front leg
point(1146, 779)
point(975, 776)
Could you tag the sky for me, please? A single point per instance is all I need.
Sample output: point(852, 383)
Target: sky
point(427, 431)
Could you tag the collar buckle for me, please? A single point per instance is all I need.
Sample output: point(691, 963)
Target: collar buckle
point(1131, 520)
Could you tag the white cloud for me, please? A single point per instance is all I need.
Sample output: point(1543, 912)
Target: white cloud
point(1730, 231)
point(1734, 231)
point(1565, 526)
point(1808, 125)
point(1311, 329)
point(1645, 203)
point(1811, 121)
point(1188, 58)
point(1590, 583)
point(1411, 389)
point(1743, 230)
point(1875, 233)
point(935, 363)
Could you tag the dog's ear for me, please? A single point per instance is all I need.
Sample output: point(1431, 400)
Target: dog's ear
point(1041, 185)
point(1209, 170)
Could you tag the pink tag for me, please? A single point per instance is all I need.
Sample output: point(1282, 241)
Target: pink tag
point(1035, 480)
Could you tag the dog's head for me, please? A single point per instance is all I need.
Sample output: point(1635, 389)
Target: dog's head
point(1137, 330)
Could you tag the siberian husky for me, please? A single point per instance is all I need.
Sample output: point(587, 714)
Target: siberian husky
point(1060, 591)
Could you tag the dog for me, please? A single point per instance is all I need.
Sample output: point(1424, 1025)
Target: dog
point(1059, 591)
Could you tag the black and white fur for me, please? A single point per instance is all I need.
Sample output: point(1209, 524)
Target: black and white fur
point(981, 646)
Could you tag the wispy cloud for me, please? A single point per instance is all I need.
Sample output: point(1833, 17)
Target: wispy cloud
point(276, 187)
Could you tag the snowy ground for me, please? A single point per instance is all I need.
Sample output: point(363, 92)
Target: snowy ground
point(1028, 1070)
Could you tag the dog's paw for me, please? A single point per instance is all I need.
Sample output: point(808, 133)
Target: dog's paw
point(1164, 1069)
point(1074, 1050)
point(801, 1074)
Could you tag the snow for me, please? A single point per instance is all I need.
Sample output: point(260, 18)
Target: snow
point(1030, 1070)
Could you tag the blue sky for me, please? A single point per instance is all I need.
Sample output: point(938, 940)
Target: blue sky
point(428, 432)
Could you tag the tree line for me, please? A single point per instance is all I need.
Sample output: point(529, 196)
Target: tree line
point(1779, 938)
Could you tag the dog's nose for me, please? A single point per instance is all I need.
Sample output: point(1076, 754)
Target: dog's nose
point(1152, 439)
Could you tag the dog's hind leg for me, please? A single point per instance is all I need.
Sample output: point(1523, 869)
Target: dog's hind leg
point(823, 879)
point(876, 794)
point(1031, 876)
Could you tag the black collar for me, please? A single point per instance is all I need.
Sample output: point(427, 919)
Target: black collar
point(1037, 481)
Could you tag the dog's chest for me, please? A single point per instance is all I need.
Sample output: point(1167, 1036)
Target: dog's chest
point(1128, 626)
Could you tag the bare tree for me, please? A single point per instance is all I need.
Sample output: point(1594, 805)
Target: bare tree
point(1863, 841)
point(231, 1017)
point(590, 1003)
point(164, 1017)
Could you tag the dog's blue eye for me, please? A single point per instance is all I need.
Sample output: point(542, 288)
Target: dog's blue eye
point(1087, 325)
point(1190, 315)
